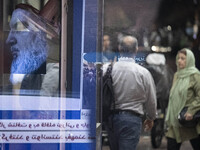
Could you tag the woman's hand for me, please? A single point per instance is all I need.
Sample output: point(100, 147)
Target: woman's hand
point(188, 116)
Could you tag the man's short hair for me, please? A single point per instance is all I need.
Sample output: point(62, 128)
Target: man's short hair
point(128, 45)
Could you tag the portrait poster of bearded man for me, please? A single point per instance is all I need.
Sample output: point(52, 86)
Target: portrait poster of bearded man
point(31, 72)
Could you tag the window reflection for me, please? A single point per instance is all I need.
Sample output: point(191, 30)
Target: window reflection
point(34, 44)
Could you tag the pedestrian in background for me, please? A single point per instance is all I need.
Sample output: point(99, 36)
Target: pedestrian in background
point(185, 92)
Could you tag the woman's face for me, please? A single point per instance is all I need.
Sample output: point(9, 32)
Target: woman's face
point(181, 60)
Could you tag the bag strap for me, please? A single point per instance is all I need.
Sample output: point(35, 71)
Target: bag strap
point(109, 75)
point(109, 70)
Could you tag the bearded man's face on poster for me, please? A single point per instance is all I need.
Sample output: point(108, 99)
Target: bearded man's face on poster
point(27, 44)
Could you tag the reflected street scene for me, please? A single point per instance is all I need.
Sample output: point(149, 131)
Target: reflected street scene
point(162, 28)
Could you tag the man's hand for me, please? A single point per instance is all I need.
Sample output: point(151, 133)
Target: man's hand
point(188, 116)
point(148, 124)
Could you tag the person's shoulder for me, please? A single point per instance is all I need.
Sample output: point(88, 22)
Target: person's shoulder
point(105, 67)
point(142, 69)
point(195, 76)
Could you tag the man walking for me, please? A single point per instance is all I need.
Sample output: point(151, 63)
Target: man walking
point(135, 96)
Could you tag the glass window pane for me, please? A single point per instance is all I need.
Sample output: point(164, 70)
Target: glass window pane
point(44, 94)
point(32, 44)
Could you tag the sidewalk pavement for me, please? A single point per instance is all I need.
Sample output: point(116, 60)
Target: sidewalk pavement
point(145, 144)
